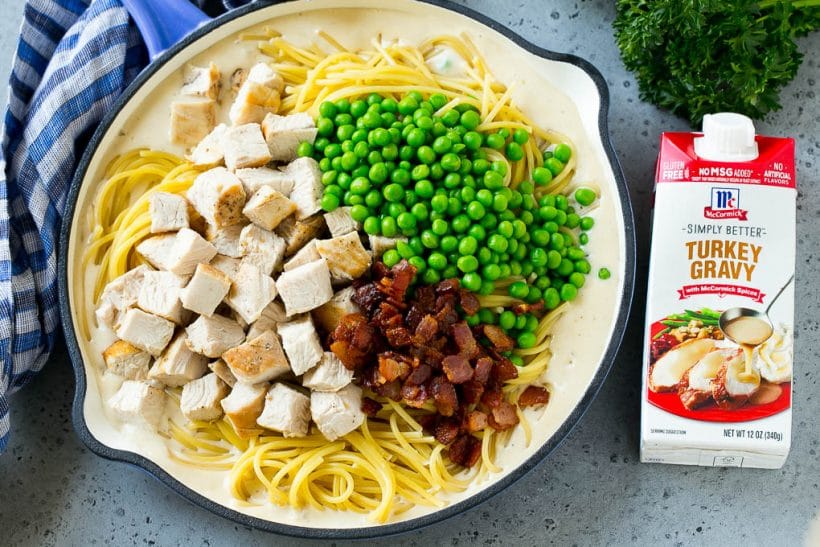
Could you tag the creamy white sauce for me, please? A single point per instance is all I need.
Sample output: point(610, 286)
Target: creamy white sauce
point(543, 90)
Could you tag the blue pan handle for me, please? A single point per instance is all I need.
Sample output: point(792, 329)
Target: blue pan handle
point(163, 23)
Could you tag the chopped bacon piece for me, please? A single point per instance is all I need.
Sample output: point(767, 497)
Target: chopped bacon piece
point(370, 407)
point(498, 338)
point(457, 368)
point(446, 430)
point(391, 369)
point(503, 416)
point(446, 314)
point(504, 370)
point(534, 396)
point(469, 302)
point(350, 357)
point(475, 420)
point(492, 397)
point(448, 286)
point(368, 298)
point(483, 367)
point(465, 340)
point(426, 330)
point(465, 450)
point(471, 392)
point(390, 390)
point(444, 396)
point(419, 375)
point(414, 396)
point(528, 308)
point(398, 337)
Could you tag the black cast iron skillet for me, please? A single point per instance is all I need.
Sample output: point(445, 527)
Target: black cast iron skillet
point(512, 476)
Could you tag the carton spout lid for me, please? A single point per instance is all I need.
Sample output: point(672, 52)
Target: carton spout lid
point(727, 137)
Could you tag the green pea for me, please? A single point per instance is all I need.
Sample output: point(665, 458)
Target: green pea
point(305, 149)
point(453, 206)
point(442, 145)
point(467, 263)
point(450, 162)
point(526, 340)
point(514, 151)
point(391, 257)
point(493, 181)
point(562, 152)
point(604, 273)
point(587, 223)
point(467, 246)
point(335, 189)
point(449, 244)
point(521, 136)
point(406, 221)
point(491, 272)
point(532, 323)
point(495, 141)
point(450, 118)
point(500, 203)
point(438, 203)
point(519, 289)
point(393, 192)
point(472, 282)
point(538, 257)
point(477, 231)
point(420, 211)
point(327, 109)
point(583, 238)
point(542, 176)
point(506, 320)
point(426, 155)
point(498, 243)
point(418, 263)
point(470, 120)
point(568, 292)
point(565, 268)
point(475, 210)
point(400, 176)
point(343, 119)
point(324, 127)
point(460, 224)
point(330, 202)
point(519, 229)
point(372, 225)
point(540, 237)
point(485, 256)
point(554, 165)
point(404, 249)
point(467, 194)
point(416, 137)
point(484, 197)
point(505, 228)
point(481, 166)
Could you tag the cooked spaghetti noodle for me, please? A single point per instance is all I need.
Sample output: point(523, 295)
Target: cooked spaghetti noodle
point(390, 464)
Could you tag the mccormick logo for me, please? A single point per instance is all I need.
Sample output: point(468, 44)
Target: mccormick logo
point(725, 204)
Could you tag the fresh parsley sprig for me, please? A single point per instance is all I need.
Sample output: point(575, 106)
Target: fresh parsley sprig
point(696, 57)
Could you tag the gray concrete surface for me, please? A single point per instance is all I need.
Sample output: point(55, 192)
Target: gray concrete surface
point(590, 491)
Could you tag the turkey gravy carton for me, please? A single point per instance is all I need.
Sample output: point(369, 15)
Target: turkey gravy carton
point(717, 367)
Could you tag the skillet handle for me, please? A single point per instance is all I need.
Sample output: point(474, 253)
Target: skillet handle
point(163, 23)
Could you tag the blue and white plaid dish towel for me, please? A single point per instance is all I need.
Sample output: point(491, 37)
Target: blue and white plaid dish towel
point(73, 60)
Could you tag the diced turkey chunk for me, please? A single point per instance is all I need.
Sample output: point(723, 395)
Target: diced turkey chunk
point(243, 406)
point(345, 255)
point(139, 403)
point(127, 360)
point(219, 368)
point(272, 315)
point(257, 96)
point(201, 398)
point(251, 291)
point(218, 195)
point(213, 336)
point(225, 239)
point(257, 360)
point(146, 331)
point(206, 290)
point(284, 134)
point(201, 81)
point(339, 222)
point(262, 248)
point(337, 413)
point(286, 411)
point(307, 186)
point(160, 295)
point(380, 244)
point(244, 147)
point(178, 253)
point(267, 208)
point(297, 233)
point(305, 288)
point(169, 212)
point(119, 295)
point(301, 343)
point(178, 365)
point(208, 152)
point(227, 265)
point(191, 120)
point(255, 178)
point(329, 315)
point(306, 254)
point(329, 375)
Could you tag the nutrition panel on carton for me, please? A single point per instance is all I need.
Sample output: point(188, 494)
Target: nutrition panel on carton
point(717, 364)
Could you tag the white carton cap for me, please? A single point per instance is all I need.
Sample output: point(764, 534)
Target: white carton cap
point(727, 137)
